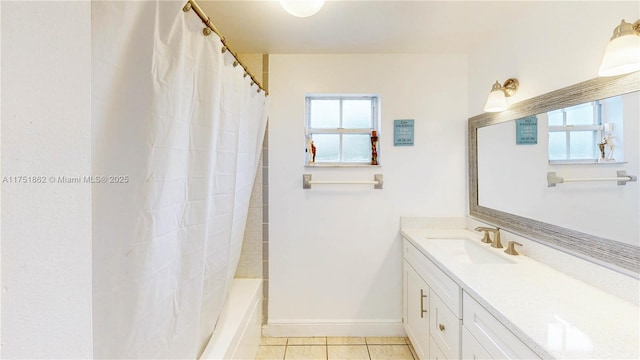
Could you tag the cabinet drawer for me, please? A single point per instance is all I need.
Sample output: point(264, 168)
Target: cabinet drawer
point(444, 327)
point(471, 348)
point(436, 353)
point(437, 280)
point(492, 335)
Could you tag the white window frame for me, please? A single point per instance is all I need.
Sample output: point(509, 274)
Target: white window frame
point(596, 128)
point(375, 105)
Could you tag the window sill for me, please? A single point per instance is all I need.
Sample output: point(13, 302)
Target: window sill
point(585, 162)
point(341, 165)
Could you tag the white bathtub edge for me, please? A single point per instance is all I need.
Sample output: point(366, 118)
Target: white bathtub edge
point(238, 332)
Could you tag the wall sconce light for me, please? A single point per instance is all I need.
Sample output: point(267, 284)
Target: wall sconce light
point(622, 55)
point(497, 100)
point(302, 8)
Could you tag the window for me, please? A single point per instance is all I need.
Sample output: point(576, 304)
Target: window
point(587, 133)
point(574, 132)
point(340, 128)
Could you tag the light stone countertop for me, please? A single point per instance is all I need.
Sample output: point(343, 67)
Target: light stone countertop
point(556, 315)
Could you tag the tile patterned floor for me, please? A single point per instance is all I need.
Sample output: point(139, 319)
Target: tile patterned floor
point(336, 348)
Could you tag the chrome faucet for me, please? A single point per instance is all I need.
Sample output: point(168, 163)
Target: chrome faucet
point(496, 243)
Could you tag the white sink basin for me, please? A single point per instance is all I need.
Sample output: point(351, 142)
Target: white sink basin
point(467, 251)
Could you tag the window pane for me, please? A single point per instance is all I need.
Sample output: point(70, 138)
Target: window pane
point(327, 147)
point(356, 114)
point(583, 145)
point(557, 145)
point(356, 148)
point(555, 118)
point(580, 114)
point(325, 114)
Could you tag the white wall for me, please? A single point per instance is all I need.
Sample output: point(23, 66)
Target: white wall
point(46, 228)
point(556, 44)
point(335, 253)
point(0, 185)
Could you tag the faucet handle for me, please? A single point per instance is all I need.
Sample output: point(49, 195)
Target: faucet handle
point(511, 249)
point(485, 238)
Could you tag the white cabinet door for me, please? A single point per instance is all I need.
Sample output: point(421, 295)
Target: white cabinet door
point(417, 310)
point(438, 281)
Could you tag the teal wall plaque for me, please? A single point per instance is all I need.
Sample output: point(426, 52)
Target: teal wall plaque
point(527, 130)
point(403, 132)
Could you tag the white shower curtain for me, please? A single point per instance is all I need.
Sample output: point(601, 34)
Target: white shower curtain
point(176, 135)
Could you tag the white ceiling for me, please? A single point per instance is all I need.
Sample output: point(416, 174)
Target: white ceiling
point(354, 26)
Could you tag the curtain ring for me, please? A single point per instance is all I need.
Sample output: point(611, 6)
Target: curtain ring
point(186, 7)
point(206, 31)
point(224, 49)
point(245, 74)
point(259, 90)
point(252, 83)
point(235, 63)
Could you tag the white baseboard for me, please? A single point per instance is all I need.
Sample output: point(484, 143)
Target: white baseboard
point(307, 328)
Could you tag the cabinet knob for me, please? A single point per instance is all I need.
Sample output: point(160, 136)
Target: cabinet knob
point(441, 327)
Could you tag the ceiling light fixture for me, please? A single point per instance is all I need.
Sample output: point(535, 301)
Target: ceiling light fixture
point(622, 55)
point(302, 8)
point(497, 100)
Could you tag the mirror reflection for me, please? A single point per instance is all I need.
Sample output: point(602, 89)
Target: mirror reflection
point(591, 140)
point(588, 132)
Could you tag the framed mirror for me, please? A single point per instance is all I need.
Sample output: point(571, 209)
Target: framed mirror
point(596, 221)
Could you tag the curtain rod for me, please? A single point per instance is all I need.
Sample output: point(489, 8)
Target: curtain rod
point(192, 4)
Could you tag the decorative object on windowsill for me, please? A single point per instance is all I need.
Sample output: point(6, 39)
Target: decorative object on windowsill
point(308, 150)
point(622, 55)
point(610, 146)
point(606, 149)
point(374, 147)
point(608, 141)
point(302, 8)
point(601, 147)
point(497, 100)
point(313, 152)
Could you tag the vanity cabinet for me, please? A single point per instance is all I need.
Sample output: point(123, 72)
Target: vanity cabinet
point(484, 304)
point(486, 337)
point(416, 320)
point(432, 307)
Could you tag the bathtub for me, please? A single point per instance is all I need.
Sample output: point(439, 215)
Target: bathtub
point(238, 331)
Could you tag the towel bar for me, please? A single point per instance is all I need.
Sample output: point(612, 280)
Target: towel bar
point(307, 182)
point(622, 179)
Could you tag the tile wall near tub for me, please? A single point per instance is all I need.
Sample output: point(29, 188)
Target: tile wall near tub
point(265, 200)
point(250, 263)
point(254, 259)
